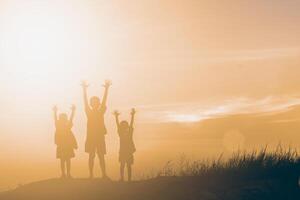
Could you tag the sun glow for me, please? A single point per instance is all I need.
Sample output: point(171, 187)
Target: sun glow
point(33, 46)
point(45, 47)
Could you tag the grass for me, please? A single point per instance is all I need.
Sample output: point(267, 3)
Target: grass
point(259, 174)
point(256, 175)
point(241, 165)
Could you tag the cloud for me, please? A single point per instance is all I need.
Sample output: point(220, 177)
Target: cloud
point(247, 55)
point(185, 59)
point(260, 54)
point(193, 112)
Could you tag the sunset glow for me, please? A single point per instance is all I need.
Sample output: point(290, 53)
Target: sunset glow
point(203, 76)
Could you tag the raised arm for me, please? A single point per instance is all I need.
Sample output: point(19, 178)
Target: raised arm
point(133, 111)
point(55, 113)
point(106, 85)
point(73, 108)
point(117, 114)
point(84, 86)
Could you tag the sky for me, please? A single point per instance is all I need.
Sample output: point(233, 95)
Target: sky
point(200, 73)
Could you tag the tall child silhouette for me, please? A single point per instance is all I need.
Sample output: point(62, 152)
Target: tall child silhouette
point(96, 130)
point(127, 147)
point(65, 140)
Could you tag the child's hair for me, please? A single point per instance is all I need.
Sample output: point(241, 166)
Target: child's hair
point(63, 117)
point(95, 102)
point(124, 125)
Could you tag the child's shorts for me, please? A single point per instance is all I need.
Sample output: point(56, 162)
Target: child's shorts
point(98, 147)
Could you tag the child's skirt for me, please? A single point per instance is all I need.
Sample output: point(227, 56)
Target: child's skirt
point(66, 143)
point(64, 152)
point(125, 157)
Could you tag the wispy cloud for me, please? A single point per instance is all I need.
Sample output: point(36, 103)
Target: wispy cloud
point(193, 112)
point(264, 53)
point(256, 54)
point(185, 58)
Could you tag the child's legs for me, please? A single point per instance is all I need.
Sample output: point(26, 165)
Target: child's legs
point(62, 166)
point(68, 162)
point(102, 162)
point(129, 171)
point(91, 163)
point(122, 168)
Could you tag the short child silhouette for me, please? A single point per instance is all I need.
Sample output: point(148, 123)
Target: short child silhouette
point(65, 140)
point(127, 147)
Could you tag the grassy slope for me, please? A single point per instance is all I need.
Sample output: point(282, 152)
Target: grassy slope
point(160, 188)
point(259, 175)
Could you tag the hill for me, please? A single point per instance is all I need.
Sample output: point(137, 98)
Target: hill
point(245, 176)
point(164, 188)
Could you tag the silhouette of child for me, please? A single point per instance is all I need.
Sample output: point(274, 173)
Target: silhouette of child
point(127, 147)
point(96, 130)
point(65, 140)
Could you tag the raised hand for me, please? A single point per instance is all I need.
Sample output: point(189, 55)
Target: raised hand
point(107, 84)
point(133, 111)
point(55, 109)
point(73, 107)
point(84, 85)
point(116, 113)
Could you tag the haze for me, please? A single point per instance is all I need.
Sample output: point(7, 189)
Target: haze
point(205, 77)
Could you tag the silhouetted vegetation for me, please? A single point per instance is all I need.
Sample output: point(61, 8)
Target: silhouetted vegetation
point(247, 166)
point(256, 175)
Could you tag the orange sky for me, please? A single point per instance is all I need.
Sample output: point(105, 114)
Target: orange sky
point(187, 66)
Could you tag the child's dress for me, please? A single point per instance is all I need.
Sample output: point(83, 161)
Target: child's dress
point(65, 141)
point(127, 147)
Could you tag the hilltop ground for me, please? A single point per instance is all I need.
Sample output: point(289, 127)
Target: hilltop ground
point(164, 188)
point(253, 176)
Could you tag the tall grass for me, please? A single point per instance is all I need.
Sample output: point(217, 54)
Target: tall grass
point(278, 164)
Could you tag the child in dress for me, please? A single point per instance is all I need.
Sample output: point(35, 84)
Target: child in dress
point(127, 147)
point(64, 140)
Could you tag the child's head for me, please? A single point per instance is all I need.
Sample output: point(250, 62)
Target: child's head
point(95, 102)
point(124, 125)
point(63, 117)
